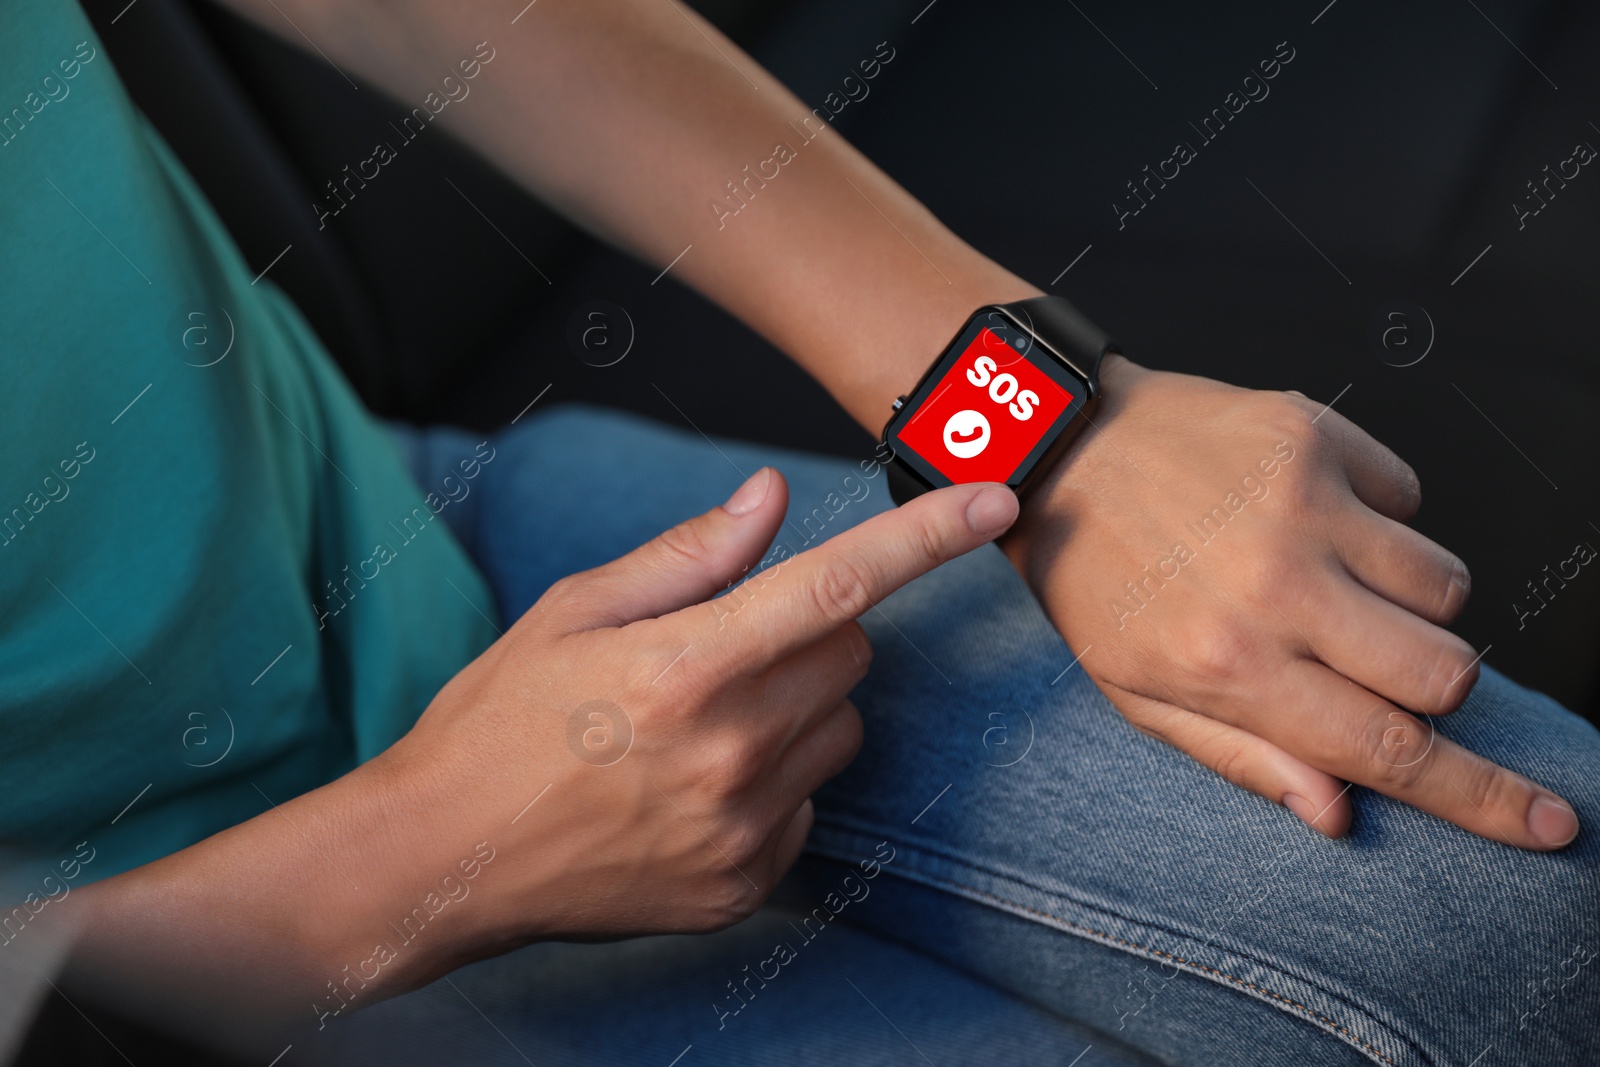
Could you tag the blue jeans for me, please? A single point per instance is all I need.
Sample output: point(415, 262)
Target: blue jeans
point(1051, 886)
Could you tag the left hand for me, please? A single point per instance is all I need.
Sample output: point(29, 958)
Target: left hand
point(1234, 569)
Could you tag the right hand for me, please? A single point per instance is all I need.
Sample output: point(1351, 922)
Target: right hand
point(736, 718)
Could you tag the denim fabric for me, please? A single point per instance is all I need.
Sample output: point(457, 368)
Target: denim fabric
point(1057, 876)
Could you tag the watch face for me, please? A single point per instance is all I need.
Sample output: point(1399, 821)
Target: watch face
point(989, 409)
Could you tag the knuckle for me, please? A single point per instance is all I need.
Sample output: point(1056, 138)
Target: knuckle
point(744, 841)
point(1451, 678)
point(1407, 487)
point(562, 591)
point(1213, 654)
point(731, 902)
point(684, 544)
point(1395, 748)
point(667, 680)
point(929, 542)
point(1291, 418)
point(840, 593)
point(1231, 764)
point(565, 600)
point(1457, 588)
point(729, 765)
point(1494, 789)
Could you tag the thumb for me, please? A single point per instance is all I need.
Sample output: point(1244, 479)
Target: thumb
point(685, 565)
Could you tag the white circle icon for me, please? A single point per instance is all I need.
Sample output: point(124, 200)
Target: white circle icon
point(966, 434)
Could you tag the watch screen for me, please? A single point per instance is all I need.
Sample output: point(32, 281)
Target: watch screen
point(988, 411)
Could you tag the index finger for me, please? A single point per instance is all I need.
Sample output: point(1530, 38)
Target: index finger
point(792, 604)
point(1353, 734)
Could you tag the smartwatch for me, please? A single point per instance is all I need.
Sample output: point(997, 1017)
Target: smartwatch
point(1003, 402)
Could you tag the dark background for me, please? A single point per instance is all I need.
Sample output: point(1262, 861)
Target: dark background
point(1395, 142)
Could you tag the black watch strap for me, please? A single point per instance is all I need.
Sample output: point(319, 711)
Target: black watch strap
point(1066, 328)
point(903, 485)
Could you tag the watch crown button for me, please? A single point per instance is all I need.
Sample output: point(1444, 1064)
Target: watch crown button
point(899, 402)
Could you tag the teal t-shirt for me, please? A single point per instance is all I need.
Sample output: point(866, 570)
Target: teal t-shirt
point(221, 587)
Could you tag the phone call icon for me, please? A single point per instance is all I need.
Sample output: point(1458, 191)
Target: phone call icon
point(966, 434)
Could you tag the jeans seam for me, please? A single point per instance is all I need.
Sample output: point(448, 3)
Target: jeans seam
point(1307, 1011)
point(932, 849)
point(974, 892)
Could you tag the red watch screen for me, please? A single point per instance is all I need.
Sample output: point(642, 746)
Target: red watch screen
point(986, 414)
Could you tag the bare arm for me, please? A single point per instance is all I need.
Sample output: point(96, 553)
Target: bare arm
point(632, 116)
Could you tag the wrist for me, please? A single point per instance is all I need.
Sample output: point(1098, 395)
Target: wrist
point(918, 326)
point(1051, 510)
point(880, 340)
point(418, 909)
point(256, 926)
point(353, 857)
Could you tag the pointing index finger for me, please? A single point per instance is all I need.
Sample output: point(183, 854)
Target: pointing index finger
point(820, 590)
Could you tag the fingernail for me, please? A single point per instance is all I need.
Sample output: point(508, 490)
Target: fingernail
point(1300, 806)
point(1552, 821)
point(991, 511)
point(749, 496)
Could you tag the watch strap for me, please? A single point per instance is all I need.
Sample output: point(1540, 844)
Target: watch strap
point(1065, 327)
point(903, 485)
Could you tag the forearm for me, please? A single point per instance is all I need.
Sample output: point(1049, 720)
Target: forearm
point(269, 924)
point(633, 117)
